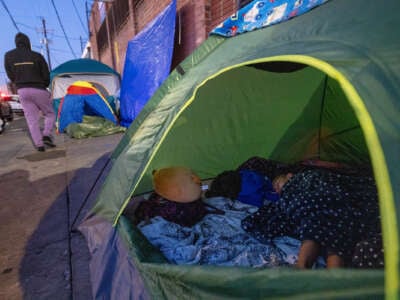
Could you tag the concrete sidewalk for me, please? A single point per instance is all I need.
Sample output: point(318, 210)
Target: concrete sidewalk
point(43, 197)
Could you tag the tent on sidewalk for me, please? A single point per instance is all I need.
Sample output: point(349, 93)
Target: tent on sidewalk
point(84, 69)
point(83, 99)
point(323, 85)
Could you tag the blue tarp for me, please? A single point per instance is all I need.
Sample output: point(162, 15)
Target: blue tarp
point(147, 63)
point(259, 14)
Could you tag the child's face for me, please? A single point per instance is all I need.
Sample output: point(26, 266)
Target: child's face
point(280, 181)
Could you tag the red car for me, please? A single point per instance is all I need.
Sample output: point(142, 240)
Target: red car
point(6, 112)
point(13, 100)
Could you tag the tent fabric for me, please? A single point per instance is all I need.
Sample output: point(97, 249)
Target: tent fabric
point(114, 251)
point(83, 98)
point(259, 14)
point(343, 106)
point(83, 69)
point(92, 126)
point(147, 63)
point(82, 65)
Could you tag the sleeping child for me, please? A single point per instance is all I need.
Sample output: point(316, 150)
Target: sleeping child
point(328, 211)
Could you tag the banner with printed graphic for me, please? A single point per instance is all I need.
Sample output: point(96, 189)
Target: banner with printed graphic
point(259, 14)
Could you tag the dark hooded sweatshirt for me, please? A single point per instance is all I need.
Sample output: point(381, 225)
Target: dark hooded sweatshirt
point(24, 67)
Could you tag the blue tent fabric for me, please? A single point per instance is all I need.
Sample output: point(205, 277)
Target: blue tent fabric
point(76, 106)
point(83, 101)
point(259, 14)
point(83, 69)
point(147, 63)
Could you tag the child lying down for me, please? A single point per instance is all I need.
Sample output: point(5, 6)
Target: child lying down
point(334, 215)
point(331, 207)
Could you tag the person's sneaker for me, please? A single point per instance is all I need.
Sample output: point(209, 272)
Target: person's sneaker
point(48, 141)
point(41, 149)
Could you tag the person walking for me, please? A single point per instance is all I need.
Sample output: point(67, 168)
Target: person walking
point(29, 72)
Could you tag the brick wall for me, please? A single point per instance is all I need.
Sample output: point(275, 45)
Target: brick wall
point(94, 27)
point(190, 29)
point(219, 10)
point(120, 44)
point(194, 20)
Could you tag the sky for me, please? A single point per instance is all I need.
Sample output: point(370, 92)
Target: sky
point(66, 27)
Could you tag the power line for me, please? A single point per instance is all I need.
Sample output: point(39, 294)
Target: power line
point(52, 34)
point(56, 60)
point(62, 27)
point(80, 19)
point(50, 48)
point(58, 50)
point(27, 26)
point(71, 38)
point(11, 17)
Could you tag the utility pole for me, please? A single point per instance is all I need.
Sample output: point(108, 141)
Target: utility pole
point(46, 42)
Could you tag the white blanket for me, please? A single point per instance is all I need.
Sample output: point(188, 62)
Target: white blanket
point(219, 240)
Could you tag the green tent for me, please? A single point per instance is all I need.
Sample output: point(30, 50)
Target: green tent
point(235, 98)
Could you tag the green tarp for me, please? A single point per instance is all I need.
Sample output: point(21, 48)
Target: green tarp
point(92, 126)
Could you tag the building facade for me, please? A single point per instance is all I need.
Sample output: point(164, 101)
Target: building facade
point(113, 23)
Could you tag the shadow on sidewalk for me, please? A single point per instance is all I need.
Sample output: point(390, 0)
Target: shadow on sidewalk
point(55, 264)
point(38, 156)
